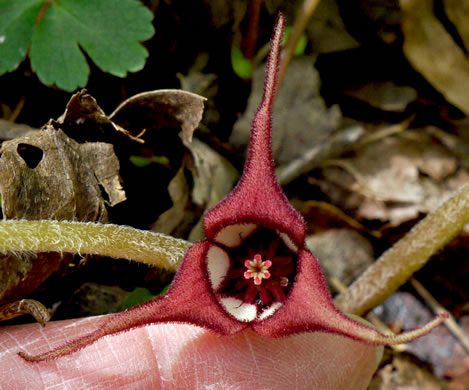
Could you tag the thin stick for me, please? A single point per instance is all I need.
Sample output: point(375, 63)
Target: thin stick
point(16, 112)
point(302, 18)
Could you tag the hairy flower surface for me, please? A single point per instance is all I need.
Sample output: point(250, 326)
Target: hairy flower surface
point(253, 269)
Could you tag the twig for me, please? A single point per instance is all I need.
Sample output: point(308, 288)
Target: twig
point(302, 18)
point(17, 110)
point(384, 133)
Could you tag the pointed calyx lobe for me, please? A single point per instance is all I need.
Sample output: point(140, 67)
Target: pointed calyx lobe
point(258, 198)
point(253, 269)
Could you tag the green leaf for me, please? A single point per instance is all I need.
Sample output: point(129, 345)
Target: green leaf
point(17, 21)
point(241, 66)
point(300, 46)
point(140, 161)
point(109, 31)
point(140, 295)
point(55, 54)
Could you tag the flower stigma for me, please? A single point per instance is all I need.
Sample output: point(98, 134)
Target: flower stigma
point(257, 269)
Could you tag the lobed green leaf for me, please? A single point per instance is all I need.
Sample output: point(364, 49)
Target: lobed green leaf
point(17, 21)
point(58, 32)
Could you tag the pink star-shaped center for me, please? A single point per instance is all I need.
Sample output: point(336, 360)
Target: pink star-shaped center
point(257, 269)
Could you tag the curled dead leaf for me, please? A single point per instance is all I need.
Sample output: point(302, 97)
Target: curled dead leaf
point(25, 306)
point(84, 120)
point(162, 109)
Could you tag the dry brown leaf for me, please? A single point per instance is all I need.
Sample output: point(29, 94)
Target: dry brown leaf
point(433, 52)
point(326, 30)
point(385, 95)
point(179, 193)
point(49, 176)
point(458, 13)
point(84, 120)
point(399, 177)
point(401, 374)
point(154, 119)
point(10, 130)
point(161, 115)
point(214, 179)
point(343, 253)
point(301, 119)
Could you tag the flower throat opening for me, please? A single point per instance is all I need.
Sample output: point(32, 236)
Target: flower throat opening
point(262, 270)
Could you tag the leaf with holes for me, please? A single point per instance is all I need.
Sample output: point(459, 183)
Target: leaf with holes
point(48, 175)
point(108, 31)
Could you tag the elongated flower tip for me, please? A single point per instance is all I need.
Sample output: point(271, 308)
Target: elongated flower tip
point(258, 198)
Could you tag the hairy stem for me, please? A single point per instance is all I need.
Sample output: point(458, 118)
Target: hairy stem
point(120, 242)
point(397, 264)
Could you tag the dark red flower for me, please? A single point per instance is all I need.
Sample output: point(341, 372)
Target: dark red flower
point(253, 269)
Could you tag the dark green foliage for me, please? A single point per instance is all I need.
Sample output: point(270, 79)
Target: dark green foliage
point(57, 32)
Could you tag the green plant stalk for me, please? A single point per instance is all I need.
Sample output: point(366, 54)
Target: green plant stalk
point(122, 242)
point(408, 255)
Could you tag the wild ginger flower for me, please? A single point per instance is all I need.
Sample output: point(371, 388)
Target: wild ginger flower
point(253, 269)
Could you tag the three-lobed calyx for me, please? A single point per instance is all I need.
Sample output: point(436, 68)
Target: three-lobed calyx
point(253, 269)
